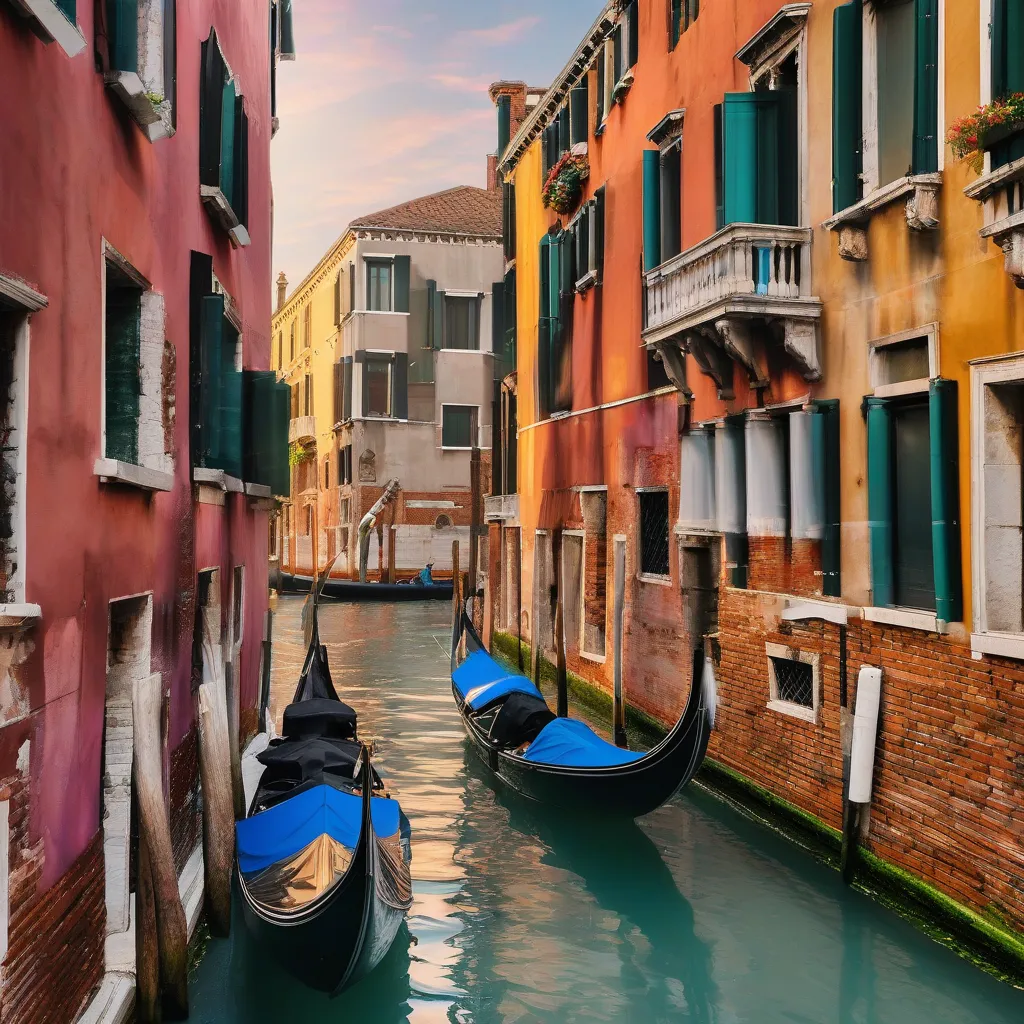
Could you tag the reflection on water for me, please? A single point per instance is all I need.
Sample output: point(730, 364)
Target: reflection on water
point(521, 915)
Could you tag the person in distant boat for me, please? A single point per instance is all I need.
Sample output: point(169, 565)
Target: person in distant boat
point(426, 578)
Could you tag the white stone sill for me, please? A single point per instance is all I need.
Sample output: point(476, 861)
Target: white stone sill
point(661, 581)
point(218, 478)
point(56, 28)
point(215, 201)
point(14, 616)
point(154, 119)
point(783, 707)
point(1002, 645)
point(802, 610)
point(861, 212)
point(258, 491)
point(110, 471)
point(908, 618)
point(597, 659)
point(984, 187)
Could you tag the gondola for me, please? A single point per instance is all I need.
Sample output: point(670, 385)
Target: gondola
point(562, 761)
point(323, 855)
point(353, 590)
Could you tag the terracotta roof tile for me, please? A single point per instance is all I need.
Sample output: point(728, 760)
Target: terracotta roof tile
point(464, 210)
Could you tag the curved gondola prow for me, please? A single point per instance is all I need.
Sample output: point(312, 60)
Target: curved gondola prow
point(315, 679)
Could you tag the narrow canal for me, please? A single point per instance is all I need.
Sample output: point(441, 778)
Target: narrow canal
point(695, 914)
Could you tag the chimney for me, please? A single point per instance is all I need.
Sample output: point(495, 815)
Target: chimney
point(493, 185)
point(282, 290)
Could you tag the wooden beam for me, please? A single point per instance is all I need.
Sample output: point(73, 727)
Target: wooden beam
point(561, 673)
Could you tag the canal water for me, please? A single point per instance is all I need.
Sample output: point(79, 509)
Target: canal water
point(696, 914)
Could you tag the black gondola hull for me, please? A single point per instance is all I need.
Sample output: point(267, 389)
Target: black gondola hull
point(353, 590)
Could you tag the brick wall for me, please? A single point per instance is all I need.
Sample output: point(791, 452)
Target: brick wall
point(785, 566)
point(186, 817)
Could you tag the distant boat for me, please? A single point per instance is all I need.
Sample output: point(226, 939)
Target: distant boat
point(353, 590)
point(562, 761)
point(323, 856)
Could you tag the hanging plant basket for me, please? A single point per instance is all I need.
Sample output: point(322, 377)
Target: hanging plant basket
point(299, 453)
point(989, 125)
point(564, 187)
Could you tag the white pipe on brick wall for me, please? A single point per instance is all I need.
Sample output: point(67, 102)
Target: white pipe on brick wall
point(697, 481)
point(805, 492)
point(730, 490)
point(767, 500)
point(865, 734)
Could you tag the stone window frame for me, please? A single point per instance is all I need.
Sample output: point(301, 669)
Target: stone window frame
point(985, 373)
point(597, 659)
point(785, 707)
point(156, 469)
point(475, 426)
point(580, 535)
point(910, 387)
point(658, 579)
point(52, 24)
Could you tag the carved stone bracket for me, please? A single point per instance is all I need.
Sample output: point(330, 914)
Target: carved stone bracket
point(923, 208)
point(853, 243)
point(673, 358)
point(1013, 255)
point(801, 341)
point(706, 348)
point(739, 343)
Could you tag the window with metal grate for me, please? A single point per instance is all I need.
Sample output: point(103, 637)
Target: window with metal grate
point(654, 533)
point(794, 681)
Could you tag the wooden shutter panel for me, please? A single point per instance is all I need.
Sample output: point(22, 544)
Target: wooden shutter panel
point(510, 318)
point(719, 145)
point(337, 299)
point(67, 8)
point(240, 193)
point(122, 34)
point(280, 471)
point(945, 478)
point(402, 272)
point(633, 26)
point(432, 341)
point(579, 104)
point(346, 406)
point(599, 230)
point(287, 31)
point(211, 107)
point(504, 104)
point(670, 199)
point(227, 140)
point(360, 362)
point(652, 208)
point(339, 390)
point(600, 87)
point(675, 22)
point(555, 256)
point(739, 157)
point(880, 501)
point(767, 170)
point(400, 386)
point(827, 459)
point(926, 87)
point(544, 331)
point(230, 408)
point(498, 329)
point(211, 342)
point(564, 130)
point(847, 118)
point(258, 400)
point(121, 376)
point(437, 320)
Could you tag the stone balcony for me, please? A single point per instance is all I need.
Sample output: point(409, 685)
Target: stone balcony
point(1002, 194)
point(746, 284)
point(501, 508)
point(302, 428)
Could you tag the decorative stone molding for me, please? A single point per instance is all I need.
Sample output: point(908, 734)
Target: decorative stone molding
point(739, 344)
point(802, 342)
point(668, 128)
point(51, 24)
point(705, 346)
point(1002, 193)
point(763, 47)
point(674, 360)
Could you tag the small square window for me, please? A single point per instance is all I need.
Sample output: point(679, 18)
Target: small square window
point(654, 533)
point(900, 362)
point(378, 286)
point(794, 681)
point(458, 426)
point(462, 323)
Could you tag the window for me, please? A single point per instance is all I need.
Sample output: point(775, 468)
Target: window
point(899, 134)
point(55, 22)
point(307, 326)
point(901, 364)
point(756, 153)
point(133, 381)
point(307, 395)
point(378, 285)
point(291, 341)
point(327, 473)
point(683, 14)
point(662, 191)
point(508, 219)
point(605, 82)
point(343, 390)
point(346, 510)
point(557, 295)
point(794, 682)
point(377, 384)
point(345, 467)
point(462, 322)
point(139, 67)
point(223, 144)
point(385, 383)
point(588, 238)
point(1007, 42)
point(458, 426)
point(654, 533)
point(280, 349)
point(579, 102)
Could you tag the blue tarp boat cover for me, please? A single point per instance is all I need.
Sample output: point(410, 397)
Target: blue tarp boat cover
point(291, 826)
point(573, 744)
point(481, 681)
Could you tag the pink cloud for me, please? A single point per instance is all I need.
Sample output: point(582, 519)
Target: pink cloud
point(499, 35)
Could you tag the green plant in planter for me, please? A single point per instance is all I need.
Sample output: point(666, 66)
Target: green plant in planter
point(297, 454)
point(156, 98)
point(564, 186)
point(971, 135)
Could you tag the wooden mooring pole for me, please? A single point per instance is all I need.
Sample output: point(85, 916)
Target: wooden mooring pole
point(474, 529)
point(619, 609)
point(519, 599)
point(456, 584)
point(561, 673)
point(265, 666)
point(218, 811)
point(392, 532)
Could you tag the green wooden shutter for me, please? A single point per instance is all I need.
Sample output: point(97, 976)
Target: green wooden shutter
point(618, 57)
point(360, 361)
point(346, 407)
point(555, 256)
point(510, 318)
point(652, 208)
point(544, 331)
point(257, 456)
point(676, 22)
point(579, 106)
point(432, 341)
point(287, 31)
point(827, 460)
point(498, 330)
point(564, 130)
point(880, 501)
point(599, 230)
point(740, 157)
point(67, 8)
point(944, 448)
point(240, 193)
point(211, 107)
point(633, 23)
point(211, 342)
point(847, 118)
point(230, 406)
point(121, 377)
point(123, 34)
point(402, 272)
point(339, 391)
point(504, 123)
point(400, 386)
point(599, 114)
point(719, 147)
point(280, 471)
point(1014, 64)
point(227, 140)
point(926, 87)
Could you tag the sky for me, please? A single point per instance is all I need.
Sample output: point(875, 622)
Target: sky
point(387, 101)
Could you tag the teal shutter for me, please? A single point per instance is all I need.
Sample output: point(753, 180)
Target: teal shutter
point(400, 386)
point(827, 459)
point(652, 208)
point(122, 34)
point(211, 105)
point(1007, 69)
point(432, 341)
point(287, 31)
point(555, 275)
point(346, 407)
point(633, 23)
point(740, 157)
point(945, 479)
point(258, 397)
point(67, 8)
point(280, 471)
point(847, 117)
point(504, 123)
point(510, 318)
point(230, 406)
point(544, 331)
point(719, 146)
point(211, 343)
point(564, 130)
point(599, 113)
point(579, 104)
point(402, 272)
point(997, 33)
point(676, 22)
point(880, 501)
point(599, 231)
point(121, 376)
point(240, 189)
point(227, 140)
point(926, 87)
point(501, 367)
